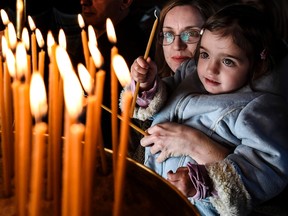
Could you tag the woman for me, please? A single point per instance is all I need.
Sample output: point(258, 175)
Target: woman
point(178, 31)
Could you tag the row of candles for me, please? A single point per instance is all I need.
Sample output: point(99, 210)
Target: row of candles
point(29, 96)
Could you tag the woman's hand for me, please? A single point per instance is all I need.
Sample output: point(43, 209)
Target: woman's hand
point(173, 140)
point(144, 72)
point(181, 180)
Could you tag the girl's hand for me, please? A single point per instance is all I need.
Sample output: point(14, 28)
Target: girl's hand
point(144, 72)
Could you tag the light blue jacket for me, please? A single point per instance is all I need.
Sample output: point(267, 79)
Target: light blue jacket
point(253, 123)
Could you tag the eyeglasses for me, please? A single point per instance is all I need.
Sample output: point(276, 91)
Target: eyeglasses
point(189, 37)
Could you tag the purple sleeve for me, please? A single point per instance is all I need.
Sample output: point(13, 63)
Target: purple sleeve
point(145, 97)
point(201, 181)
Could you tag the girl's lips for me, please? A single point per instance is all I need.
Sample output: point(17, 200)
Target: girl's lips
point(211, 82)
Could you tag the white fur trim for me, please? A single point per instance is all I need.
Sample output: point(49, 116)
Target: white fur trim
point(154, 106)
point(233, 198)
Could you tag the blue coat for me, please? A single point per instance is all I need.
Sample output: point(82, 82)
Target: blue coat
point(253, 123)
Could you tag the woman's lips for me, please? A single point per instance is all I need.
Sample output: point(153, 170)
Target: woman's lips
point(180, 58)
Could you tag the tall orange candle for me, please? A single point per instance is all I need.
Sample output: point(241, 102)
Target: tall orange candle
point(25, 121)
point(121, 160)
point(26, 41)
point(76, 134)
point(33, 43)
point(84, 39)
point(73, 98)
point(6, 143)
point(38, 104)
point(41, 54)
point(114, 89)
point(145, 57)
point(122, 72)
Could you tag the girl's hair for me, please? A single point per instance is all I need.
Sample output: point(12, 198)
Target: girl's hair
point(206, 9)
point(251, 32)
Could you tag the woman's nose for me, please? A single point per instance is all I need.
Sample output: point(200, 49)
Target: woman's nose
point(178, 44)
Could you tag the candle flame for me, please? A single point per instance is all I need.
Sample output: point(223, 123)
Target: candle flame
point(4, 17)
point(121, 70)
point(92, 35)
point(111, 31)
point(25, 38)
point(39, 38)
point(62, 39)
point(12, 35)
point(96, 55)
point(38, 98)
point(19, 5)
point(4, 46)
point(73, 95)
point(63, 61)
point(50, 42)
point(31, 23)
point(21, 60)
point(85, 78)
point(81, 21)
point(10, 59)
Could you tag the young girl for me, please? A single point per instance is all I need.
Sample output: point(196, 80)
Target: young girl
point(230, 101)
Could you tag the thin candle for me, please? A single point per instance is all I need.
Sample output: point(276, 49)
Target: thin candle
point(121, 160)
point(38, 104)
point(6, 151)
point(84, 39)
point(62, 39)
point(73, 97)
point(145, 57)
point(24, 142)
point(93, 42)
point(122, 72)
point(33, 43)
point(41, 55)
point(12, 38)
point(25, 39)
point(19, 17)
point(114, 88)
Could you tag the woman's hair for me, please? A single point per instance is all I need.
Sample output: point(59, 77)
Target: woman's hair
point(206, 9)
point(250, 31)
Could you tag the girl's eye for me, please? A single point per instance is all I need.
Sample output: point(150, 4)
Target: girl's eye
point(204, 55)
point(228, 62)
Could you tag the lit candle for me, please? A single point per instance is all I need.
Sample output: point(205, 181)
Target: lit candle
point(25, 121)
point(26, 41)
point(145, 57)
point(33, 43)
point(5, 20)
point(12, 39)
point(5, 142)
point(19, 17)
point(73, 97)
point(38, 104)
point(84, 39)
point(62, 39)
point(114, 89)
point(122, 72)
point(121, 160)
point(93, 42)
point(41, 55)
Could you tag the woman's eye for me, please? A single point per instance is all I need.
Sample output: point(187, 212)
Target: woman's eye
point(228, 62)
point(203, 55)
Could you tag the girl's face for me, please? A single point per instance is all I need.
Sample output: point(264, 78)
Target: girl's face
point(178, 20)
point(222, 67)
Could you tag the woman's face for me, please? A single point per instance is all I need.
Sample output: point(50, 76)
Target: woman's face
point(178, 20)
point(222, 66)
